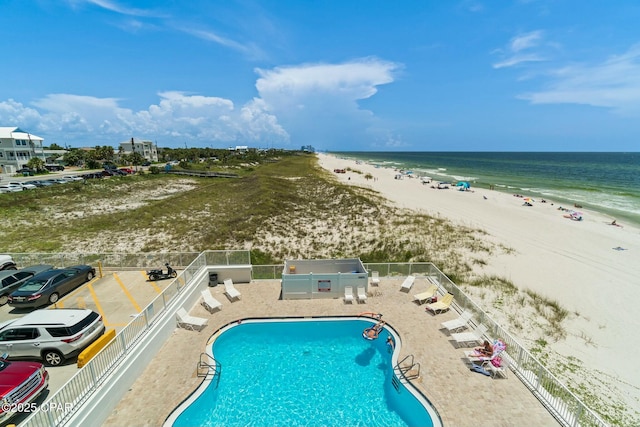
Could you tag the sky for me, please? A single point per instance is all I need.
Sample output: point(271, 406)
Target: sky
point(339, 75)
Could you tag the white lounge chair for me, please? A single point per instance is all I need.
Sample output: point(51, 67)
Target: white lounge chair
point(471, 337)
point(209, 302)
point(362, 295)
point(456, 325)
point(407, 284)
point(186, 321)
point(427, 295)
point(230, 290)
point(348, 294)
point(375, 278)
point(501, 370)
point(498, 349)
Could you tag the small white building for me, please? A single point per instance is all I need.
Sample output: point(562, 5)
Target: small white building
point(17, 147)
point(312, 279)
point(147, 149)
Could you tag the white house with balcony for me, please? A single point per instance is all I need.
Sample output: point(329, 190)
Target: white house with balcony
point(17, 147)
point(147, 149)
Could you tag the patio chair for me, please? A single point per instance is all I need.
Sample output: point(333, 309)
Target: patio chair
point(348, 294)
point(457, 325)
point(442, 305)
point(472, 337)
point(501, 370)
point(407, 284)
point(427, 295)
point(230, 290)
point(209, 302)
point(186, 321)
point(375, 278)
point(474, 357)
point(362, 295)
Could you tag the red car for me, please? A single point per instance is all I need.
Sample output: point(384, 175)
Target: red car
point(20, 384)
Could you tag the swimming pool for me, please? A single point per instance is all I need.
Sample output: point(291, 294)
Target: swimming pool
point(312, 372)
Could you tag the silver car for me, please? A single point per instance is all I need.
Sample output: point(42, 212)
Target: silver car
point(51, 335)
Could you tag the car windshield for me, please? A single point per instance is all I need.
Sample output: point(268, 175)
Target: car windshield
point(32, 285)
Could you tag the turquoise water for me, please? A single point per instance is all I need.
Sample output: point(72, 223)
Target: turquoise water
point(310, 373)
point(605, 182)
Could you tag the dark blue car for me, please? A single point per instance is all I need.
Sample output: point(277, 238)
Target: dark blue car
point(47, 287)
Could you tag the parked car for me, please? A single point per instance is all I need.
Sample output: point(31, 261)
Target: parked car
point(10, 188)
point(24, 185)
point(41, 183)
point(10, 280)
point(54, 167)
point(26, 171)
point(127, 170)
point(50, 335)
point(47, 287)
point(20, 384)
point(71, 178)
point(7, 263)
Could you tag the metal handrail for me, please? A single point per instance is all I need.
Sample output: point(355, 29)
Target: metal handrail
point(214, 369)
point(404, 369)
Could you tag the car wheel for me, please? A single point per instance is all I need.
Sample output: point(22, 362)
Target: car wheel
point(89, 275)
point(52, 357)
point(153, 277)
point(174, 274)
point(53, 298)
point(4, 299)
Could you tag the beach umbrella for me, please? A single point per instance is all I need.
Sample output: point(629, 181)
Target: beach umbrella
point(528, 199)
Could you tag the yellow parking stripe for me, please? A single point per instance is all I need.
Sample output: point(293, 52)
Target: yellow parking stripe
point(155, 287)
point(95, 300)
point(127, 293)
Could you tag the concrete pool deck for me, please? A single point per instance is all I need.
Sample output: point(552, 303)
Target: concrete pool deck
point(462, 397)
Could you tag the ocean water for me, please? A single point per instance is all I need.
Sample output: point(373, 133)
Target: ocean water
point(604, 182)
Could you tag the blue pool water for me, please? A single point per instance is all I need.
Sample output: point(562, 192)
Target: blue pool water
point(303, 373)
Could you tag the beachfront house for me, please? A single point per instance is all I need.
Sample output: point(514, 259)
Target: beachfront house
point(17, 147)
point(147, 149)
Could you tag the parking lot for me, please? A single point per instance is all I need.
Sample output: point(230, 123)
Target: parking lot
point(117, 296)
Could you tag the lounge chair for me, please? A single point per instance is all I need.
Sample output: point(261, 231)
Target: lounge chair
point(375, 278)
point(407, 284)
point(362, 295)
point(474, 357)
point(348, 294)
point(501, 370)
point(209, 302)
point(471, 337)
point(456, 325)
point(427, 295)
point(186, 321)
point(442, 305)
point(230, 290)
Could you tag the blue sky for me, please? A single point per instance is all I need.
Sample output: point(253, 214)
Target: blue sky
point(430, 75)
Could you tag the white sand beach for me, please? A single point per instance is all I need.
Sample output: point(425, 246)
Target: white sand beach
point(571, 262)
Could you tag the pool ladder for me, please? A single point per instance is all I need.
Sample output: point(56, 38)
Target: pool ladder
point(406, 369)
point(209, 367)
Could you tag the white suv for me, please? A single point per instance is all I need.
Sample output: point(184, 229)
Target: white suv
point(52, 335)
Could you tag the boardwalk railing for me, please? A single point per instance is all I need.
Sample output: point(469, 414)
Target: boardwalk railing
point(566, 407)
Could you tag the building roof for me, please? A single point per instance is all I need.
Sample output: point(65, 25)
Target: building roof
point(17, 133)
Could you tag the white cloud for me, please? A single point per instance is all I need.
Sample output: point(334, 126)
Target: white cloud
point(318, 103)
point(513, 54)
point(177, 117)
point(614, 83)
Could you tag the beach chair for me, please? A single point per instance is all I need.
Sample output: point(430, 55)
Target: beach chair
point(348, 294)
point(456, 325)
point(407, 284)
point(209, 302)
point(375, 278)
point(498, 348)
point(471, 337)
point(362, 295)
point(442, 305)
point(186, 321)
point(230, 290)
point(501, 369)
point(425, 296)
